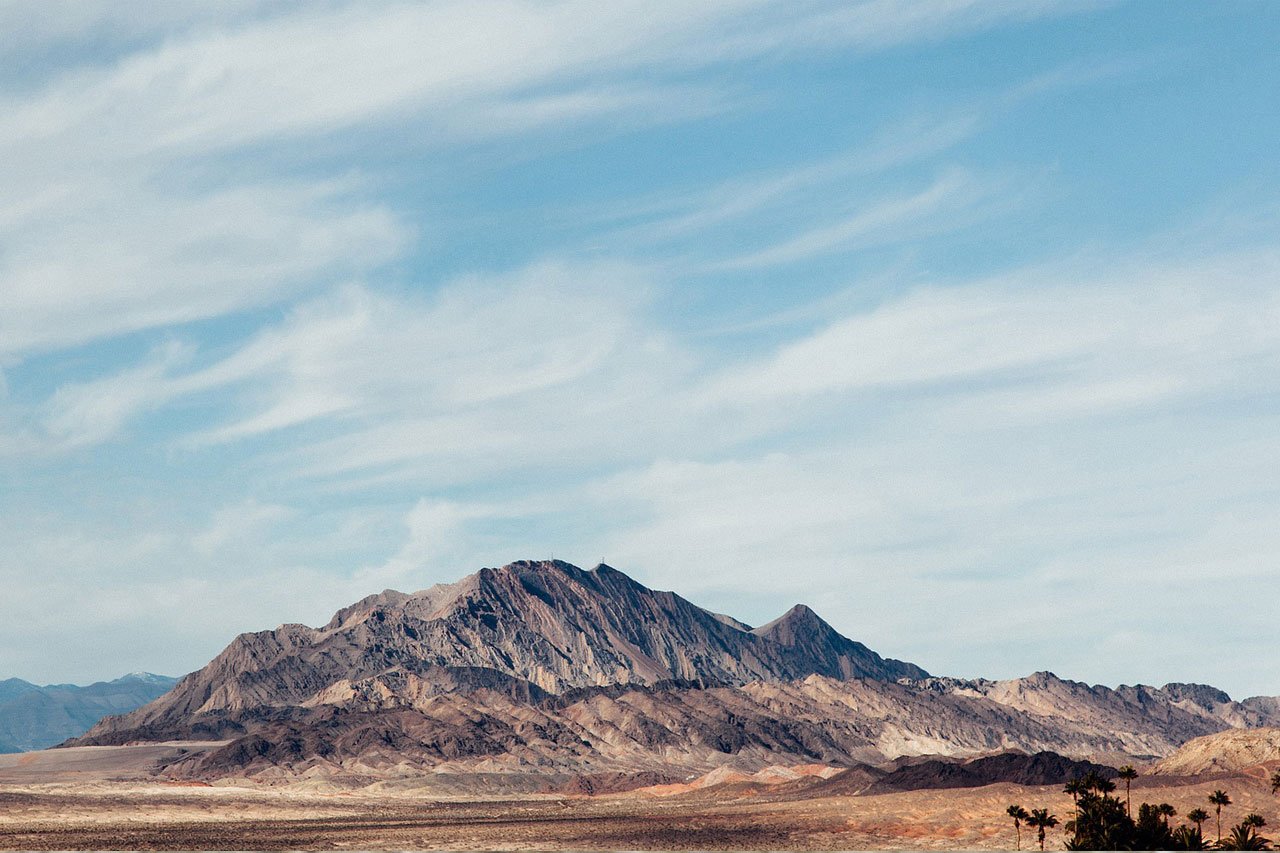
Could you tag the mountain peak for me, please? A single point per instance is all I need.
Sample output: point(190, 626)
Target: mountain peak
point(799, 622)
point(828, 652)
point(145, 678)
point(801, 614)
point(552, 565)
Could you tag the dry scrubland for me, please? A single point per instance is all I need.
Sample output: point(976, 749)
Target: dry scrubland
point(100, 798)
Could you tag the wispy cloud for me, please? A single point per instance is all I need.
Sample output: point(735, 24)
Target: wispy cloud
point(309, 71)
point(106, 234)
point(940, 206)
point(120, 260)
point(366, 359)
point(683, 216)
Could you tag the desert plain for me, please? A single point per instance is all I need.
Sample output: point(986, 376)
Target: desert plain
point(107, 798)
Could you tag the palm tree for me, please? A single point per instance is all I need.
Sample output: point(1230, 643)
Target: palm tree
point(1166, 811)
point(1275, 781)
point(1219, 799)
point(1198, 817)
point(1245, 837)
point(1094, 782)
point(1128, 774)
point(1075, 787)
point(1042, 820)
point(1255, 820)
point(1186, 838)
point(1019, 814)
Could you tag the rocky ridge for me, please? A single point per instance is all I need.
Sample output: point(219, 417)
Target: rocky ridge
point(1225, 752)
point(1043, 768)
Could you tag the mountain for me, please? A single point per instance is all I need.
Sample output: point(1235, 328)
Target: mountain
point(549, 625)
point(542, 668)
point(33, 717)
point(12, 688)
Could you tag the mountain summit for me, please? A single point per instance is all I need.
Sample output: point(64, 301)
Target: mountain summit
point(817, 647)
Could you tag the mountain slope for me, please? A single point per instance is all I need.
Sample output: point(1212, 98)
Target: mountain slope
point(1225, 752)
point(550, 624)
point(33, 717)
point(393, 726)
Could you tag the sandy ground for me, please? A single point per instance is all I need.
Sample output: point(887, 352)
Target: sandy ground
point(98, 808)
point(94, 763)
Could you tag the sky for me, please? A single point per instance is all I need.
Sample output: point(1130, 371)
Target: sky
point(958, 321)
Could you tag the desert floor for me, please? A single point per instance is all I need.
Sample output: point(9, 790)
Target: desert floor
point(88, 800)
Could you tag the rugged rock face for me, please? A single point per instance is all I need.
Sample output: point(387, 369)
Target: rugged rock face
point(389, 727)
point(34, 717)
point(547, 669)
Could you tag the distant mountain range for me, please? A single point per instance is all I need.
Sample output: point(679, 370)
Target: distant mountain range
point(35, 717)
point(541, 668)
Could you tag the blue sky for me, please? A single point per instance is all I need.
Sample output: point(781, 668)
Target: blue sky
point(958, 321)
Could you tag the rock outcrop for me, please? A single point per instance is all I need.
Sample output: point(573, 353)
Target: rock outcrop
point(1225, 752)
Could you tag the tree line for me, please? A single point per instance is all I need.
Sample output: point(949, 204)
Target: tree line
point(1101, 821)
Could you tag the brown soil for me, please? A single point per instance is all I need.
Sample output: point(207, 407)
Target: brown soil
point(143, 815)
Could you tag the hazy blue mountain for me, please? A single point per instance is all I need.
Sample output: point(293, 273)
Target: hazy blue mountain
point(12, 688)
point(35, 717)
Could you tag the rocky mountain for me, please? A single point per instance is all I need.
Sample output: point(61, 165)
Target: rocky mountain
point(547, 669)
point(35, 717)
point(549, 624)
